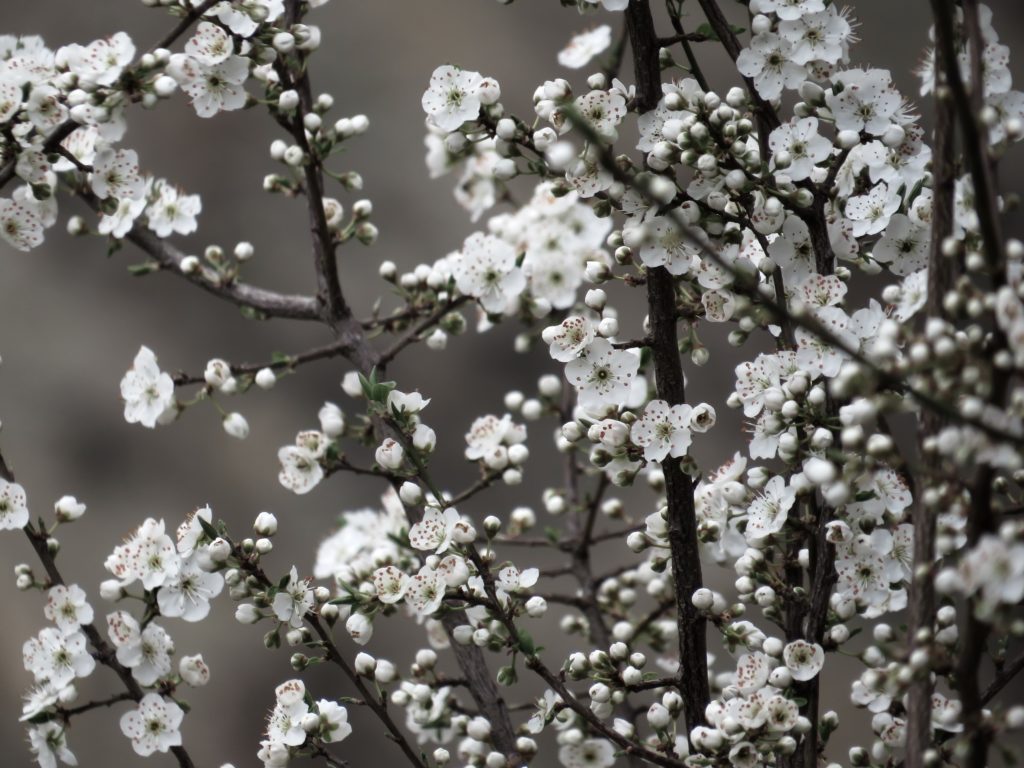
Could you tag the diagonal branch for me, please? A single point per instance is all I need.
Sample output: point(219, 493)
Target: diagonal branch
point(105, 654)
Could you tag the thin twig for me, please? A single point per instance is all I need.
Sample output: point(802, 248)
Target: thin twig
point(103, 652)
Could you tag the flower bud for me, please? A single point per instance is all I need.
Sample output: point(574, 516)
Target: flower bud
point(236, 425)
point(68, 508)
point(365, 664)
point(247, 613)
point(266, 524)
point(359, 628)
point(389, 454)
point(193, 670)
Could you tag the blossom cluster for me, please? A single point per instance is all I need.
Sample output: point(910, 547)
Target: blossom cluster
point(804, 212)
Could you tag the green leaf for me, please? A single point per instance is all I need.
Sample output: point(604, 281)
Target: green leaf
point(251, 313)
point(207, 527)
point(706, 30)
point(367, 383)
point(526, 644)
point(139, 270)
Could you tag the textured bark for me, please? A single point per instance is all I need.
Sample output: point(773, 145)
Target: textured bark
point(682, 520)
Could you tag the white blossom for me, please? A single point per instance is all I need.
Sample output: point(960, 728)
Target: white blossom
point(147, 391)
point(153, 725)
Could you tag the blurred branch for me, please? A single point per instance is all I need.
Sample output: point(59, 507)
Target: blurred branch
point(941, 275)
point(968, 112)
point(1005, 676)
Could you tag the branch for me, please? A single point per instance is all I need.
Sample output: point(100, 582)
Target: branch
point(692, 679)
point(974, 633)
point(290, 362)
point(266, 302)
point(413, 335)
point(67, 714)
point(104, 654)
point(332, 303)
point(1005, 676)
point(691, 58)
point(65, 129)
point(192, 16)
point(968, 109)
point(941, 276)
point(375, 703)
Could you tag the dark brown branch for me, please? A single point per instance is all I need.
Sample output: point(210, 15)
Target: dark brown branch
point(941, 275)
point(292, 361)
point(692, 679)
point(968, 109)
point(1005, 676)
point(415, 334)
point(182, 27)
point(534, 663)
point(376, 704)
point(69, 712)
point(332, 304)
point(691, 58)
point(104, 653)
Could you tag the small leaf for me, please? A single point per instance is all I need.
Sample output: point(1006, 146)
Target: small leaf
point(251, 313)
point(706, 30)
point(526, 644)
point(207, 527)
point(139, 270)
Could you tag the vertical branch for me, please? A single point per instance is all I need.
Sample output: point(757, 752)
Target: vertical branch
point(974, 633)
point(677, 24)
point(334, 308)
point(941, 275)
point(968, 107)
point(682, 520)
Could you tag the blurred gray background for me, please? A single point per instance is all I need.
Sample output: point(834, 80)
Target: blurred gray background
point(72, 320)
